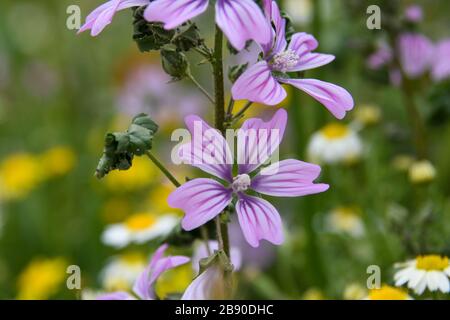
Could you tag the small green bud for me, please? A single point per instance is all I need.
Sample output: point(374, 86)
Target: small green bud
point(235, 72)
point(174, 63)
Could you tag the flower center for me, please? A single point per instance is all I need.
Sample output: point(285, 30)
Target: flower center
point(140, 221)
point(241, 183)
point(388, 293)
point(432, 263)
point(334, 131)
point(284, 61)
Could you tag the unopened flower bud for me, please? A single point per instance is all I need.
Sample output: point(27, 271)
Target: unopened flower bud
point(174, 63)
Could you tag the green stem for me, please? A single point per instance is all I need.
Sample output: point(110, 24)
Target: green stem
point(163, 169)
point(219, 115)
point(200, 87)
point(238, 115)
point(219, 123)
point(418, 127)
point(175, 182)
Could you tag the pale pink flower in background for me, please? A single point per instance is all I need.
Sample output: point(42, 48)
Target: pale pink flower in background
point(414, 13)
point(147, 89)
point(381, 57)
point(415, 54)
point(440, 68)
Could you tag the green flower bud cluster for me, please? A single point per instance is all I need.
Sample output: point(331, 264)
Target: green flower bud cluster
point(121, 147)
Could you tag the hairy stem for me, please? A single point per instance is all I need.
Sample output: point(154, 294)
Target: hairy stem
point(200, 87)
point(219, 123)
point(163, 169)
point(241, 112)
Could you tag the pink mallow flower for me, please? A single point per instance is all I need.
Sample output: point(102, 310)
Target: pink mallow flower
point(261, 82)
point(415, 54)
point(240, 20)
point(144, 285)
point(440, 68)
point(101, 17)
point(203, 199)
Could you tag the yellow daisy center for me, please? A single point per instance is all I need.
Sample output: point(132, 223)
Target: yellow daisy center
point(432, 263)
point(335, 131)
point(387, 293)
point(133, 258)
point(139, 222)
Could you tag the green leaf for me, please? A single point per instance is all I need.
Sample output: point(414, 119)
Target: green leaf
point(121, 147)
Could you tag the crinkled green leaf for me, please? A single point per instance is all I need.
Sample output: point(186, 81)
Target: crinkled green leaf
point(121, 147)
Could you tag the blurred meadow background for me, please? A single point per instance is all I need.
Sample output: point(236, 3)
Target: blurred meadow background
point(61, 92)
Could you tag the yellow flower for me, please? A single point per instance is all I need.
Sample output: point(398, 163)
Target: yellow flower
point(174, 281)
point(367, 115)
point(313, 294)
point(345, 220)
point(388, 293)
point(57, 161)
point(116, 210)
point(422, 172)
point(140, 175)
point(20, 173)
point(41, 279)
point(354, 291)
point(157, 200)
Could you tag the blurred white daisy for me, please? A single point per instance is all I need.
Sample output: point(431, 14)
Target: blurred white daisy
point(300, 11)
point(428, 271)
point(335, 143)
point(345, 220)
point(121, 271)
point(139, 228)
point(388, 293)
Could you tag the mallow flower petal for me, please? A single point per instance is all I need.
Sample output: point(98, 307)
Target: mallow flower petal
point(174, 13)
point(208, 150)
point(257, 140)
point(258, 85)
point(201, 199)
point(259, 220)
point(302, 44)
point(242, 20)
point(207, 286)
point(288, 178)
point(143, 286)
point(102, 16)
point(336, 99)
